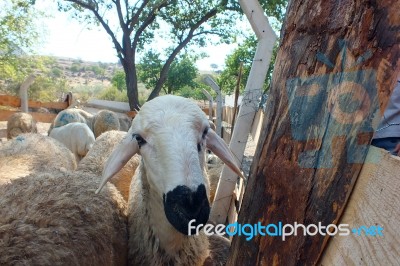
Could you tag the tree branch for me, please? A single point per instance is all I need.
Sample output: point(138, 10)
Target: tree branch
point(120, 16)
point(135, 17)
point(94, 10)
point(181, 45)
point(152, 16)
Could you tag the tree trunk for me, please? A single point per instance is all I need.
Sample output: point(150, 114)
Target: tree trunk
point(336, 58)
point(128, 63)
point(132, 87)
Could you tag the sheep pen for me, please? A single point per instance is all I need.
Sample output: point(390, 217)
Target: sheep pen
point(91, 162)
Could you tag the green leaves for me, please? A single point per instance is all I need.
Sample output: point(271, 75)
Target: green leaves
point(118, 80)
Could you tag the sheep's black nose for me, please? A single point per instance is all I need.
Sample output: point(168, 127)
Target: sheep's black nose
point(181, 205)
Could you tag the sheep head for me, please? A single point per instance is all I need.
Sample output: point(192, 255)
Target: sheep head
point(171, 134)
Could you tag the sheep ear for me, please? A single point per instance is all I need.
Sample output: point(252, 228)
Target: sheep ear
point(118, 158)
point(218, 146)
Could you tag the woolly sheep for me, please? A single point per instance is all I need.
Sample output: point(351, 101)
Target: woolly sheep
point(170, 187)
point(19, 123)
point(31, 152)
point(75, 136)
point(52, 218)
point(72, 115)
point(105, 144)
point(124, 122)
point(103, 121)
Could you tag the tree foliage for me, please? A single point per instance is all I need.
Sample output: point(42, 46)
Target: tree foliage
point(244, 54)
point(182, 73)
point(143, 22)
point(149, 69)
point(118, 80)
point(18, 35)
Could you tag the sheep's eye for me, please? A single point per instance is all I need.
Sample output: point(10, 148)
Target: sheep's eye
point(141, 141)
point(198, 147)
point(205, 133)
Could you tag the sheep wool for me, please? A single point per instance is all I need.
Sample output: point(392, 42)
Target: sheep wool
point(72, 115)
point(98, 154)
point(19, 123)
point(54, 217)
point(75, 136)
point(105, 120)
point(31, 152)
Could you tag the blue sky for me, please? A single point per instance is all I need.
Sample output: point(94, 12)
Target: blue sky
point(65, 37)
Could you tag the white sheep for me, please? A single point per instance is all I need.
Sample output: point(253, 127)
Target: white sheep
point(170, 187)
point(31, 152)
point(51, 217)
point(75, 136)
point(19, 123)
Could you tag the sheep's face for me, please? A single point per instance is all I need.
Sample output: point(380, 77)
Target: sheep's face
point(171, 134)
point(172, 140)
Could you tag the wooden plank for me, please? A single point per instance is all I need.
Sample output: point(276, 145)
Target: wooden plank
point(210, 82)
point(120, 107)
point(39, 117)
point(7, 100)
point(48, 105)
point(257, 126)
point(317, 124)
point(13, 101)
point(374, 201)
point(248, 108)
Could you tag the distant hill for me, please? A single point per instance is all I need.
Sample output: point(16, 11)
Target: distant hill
point(78, 72)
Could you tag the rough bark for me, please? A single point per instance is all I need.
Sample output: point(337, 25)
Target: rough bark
point(131, 84)
point(336, 66)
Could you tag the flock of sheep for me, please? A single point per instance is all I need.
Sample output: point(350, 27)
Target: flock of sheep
point(57, 206)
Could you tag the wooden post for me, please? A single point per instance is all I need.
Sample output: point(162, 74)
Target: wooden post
point(210, 82)
point(237, 93)
point(334, 59)
point(23, 92)
point(210, 104)
point(249, 106)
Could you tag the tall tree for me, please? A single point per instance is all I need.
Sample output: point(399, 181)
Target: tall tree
point(187, 22)
point(335, 58)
